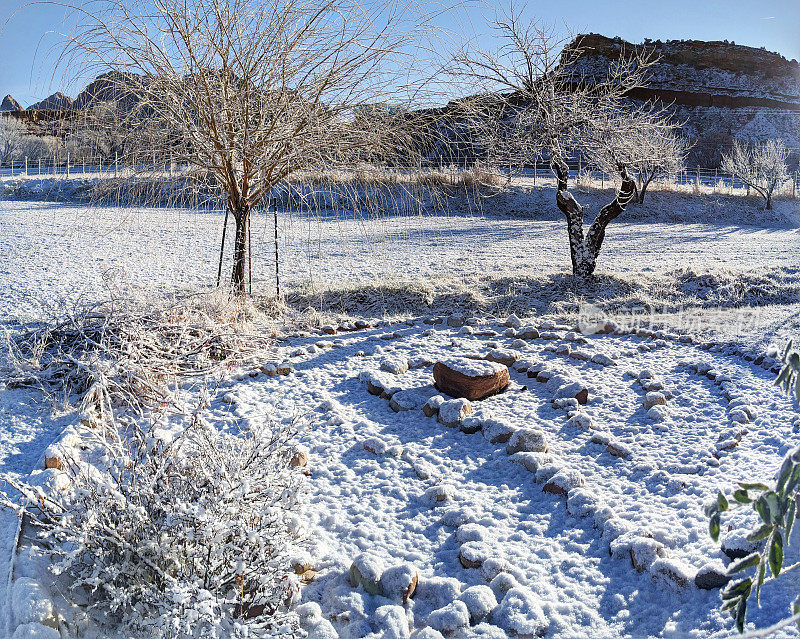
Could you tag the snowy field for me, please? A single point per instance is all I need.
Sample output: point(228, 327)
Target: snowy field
point(415, 492)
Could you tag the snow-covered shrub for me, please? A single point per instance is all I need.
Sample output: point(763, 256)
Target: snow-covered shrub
point(777, 508)
point(185, 534)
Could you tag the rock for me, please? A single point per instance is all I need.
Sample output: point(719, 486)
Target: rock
point(528, 333)
point(379, 447)
point(470, 425)
point(315, 625)
point(527, 440)
point(451, 412)
point(513, 321)
point(395, 365)
point(582, 502)
point(563, 349)
point(654, 398)
point(574, 390)
point(472, 554)
point(531, 462)
point(328, 329)
point(581, 420)
point(602, 360)
point(431, 407)
point(520, 614)
point(53, 462)
point(299, 457)
point(546, 472)
point(503, 356)
point(456, 321)
point(735, 545)
point(366, 571)
point(580, 355)
point(393, 622)
point(563, 481)
point(658, 413)
point(711, 577)
point(406, 400)
point(497, 431)
point(449, 618)
point(518, 343)
point(470, 379)
point(284, 369)
point(672, 571)
point(480, 601)
point(399, 582)
point(618, 449)
point(642, 551)
point(378, 383)
point(439, 494)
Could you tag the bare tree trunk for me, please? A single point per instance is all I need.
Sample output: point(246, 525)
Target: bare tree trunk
point(585, 249)
point(242, 218)
point(643, 187)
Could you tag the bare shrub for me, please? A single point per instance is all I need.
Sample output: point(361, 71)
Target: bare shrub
point(761, 167)
point(182, 534)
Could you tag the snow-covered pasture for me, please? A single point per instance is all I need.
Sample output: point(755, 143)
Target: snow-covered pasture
point(431, 490)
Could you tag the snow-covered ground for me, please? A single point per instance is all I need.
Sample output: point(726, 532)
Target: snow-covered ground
point(512, 257)
point(373, 471)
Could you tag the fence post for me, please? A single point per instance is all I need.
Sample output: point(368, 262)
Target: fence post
point(26, 166)
point(40, 166)
point(535, 171)
point(794, 186)
point(698, 178)
point(716, 175)
point(68, 164)
point(116, 164)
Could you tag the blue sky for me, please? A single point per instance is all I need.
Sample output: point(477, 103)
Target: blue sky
point(26, 73)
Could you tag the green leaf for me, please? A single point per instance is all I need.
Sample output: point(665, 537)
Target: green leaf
point(737, 589)
point(790, 515)
point(713, 526)
point(762, 508)
point(785, 472)
point(787, 350)
point(722, 502)
point(751, 560)
point(762, 571)
point(741, 496)
point(757, 486)
point(796, 609)
point(776, 553)
point(741, 613)
point(760, 533)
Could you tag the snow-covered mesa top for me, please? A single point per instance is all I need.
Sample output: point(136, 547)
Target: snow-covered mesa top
point(473, 367)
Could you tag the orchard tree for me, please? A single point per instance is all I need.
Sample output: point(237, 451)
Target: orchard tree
point(663, 153)
point(761, 167)
point(549, 108)
point(12, 138)
point(256, 90)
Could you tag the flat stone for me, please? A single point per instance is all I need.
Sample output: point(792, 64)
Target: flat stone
point(471, 379)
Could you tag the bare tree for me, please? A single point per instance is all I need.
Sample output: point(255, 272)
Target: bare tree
point(255, 91)
point(12, 138)
point(761, 167)
point(551, 108)
point(663, 152)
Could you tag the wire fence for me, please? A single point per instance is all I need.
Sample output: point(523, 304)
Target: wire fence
point(704, 179)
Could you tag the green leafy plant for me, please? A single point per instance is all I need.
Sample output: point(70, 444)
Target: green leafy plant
point(777, 507)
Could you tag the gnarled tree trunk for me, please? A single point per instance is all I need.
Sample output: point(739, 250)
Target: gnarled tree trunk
point(584, 248)
point(241, 215)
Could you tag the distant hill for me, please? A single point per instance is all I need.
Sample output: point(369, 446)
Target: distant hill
point(722, 90)
point(10, 104)
point(56, 102)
